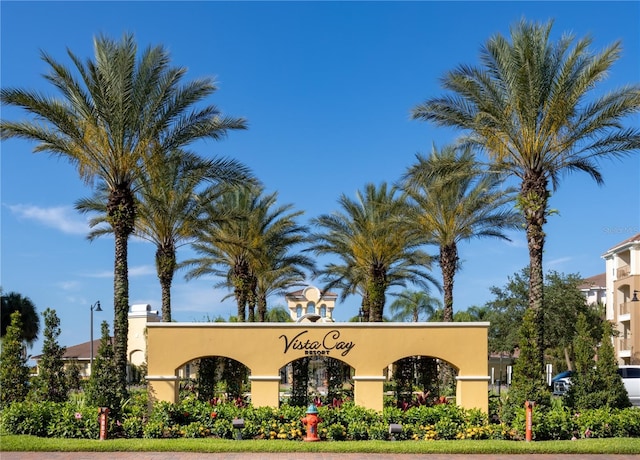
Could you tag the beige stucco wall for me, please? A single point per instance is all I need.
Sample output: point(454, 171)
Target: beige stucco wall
point(367, 347)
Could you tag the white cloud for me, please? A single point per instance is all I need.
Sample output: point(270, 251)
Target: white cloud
point(557, 262)
point(68, 285)
point(62, 218)
point(141, 270)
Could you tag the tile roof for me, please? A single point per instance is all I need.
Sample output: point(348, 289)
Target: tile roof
point(596, 281)
point(634, 238)
point(81, 352)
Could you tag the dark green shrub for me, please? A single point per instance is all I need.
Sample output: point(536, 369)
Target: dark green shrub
point(27, 418)
point(14, 372)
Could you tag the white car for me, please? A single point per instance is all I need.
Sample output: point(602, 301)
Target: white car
point(630, 378)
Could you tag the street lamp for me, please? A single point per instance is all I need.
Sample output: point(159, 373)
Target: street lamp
point(94, 307)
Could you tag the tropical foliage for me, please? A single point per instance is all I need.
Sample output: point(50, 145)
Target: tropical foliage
point(374, 247)
point(29, 318)
point(454, 200)
point(249, 243)
point(121, 110)
point(532, 107)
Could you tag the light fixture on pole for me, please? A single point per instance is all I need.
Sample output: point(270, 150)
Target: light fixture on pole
point(94, 307)
point(635, 296)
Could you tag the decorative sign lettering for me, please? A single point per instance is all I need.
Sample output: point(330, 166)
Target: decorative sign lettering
point(331, 341)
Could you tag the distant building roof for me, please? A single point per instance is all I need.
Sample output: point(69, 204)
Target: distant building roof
point(300, 293)
point(594, 282)
point(634, 239)
point(81, 352)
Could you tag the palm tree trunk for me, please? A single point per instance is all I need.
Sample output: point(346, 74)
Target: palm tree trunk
point(533, 200)
point(448, 264)
point(166, 267)
point(376, 294)
point(121, 214)
point(262, 308)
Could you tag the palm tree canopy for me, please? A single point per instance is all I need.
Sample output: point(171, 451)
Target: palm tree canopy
point(249, 240)
point(408, 305)
point(29, 318)
point(372, 243)
point(455, 199)
point(117, 112)
point(531, 104)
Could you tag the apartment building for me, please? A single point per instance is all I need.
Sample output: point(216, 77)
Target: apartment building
point(622, 303)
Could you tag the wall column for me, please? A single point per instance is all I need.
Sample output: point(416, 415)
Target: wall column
point(471, 392)
point(368, 391)
point(265, 390)
point(163, 388)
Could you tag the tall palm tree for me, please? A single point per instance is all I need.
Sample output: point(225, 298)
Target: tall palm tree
point(30, 321)
point(454, 201)
point(120, 109)
point(531, 106)
point(171, 196)
point(410, 304)
point(374, 246)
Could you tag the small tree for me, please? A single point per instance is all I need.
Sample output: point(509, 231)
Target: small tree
point(14, 372)
point(595, 383)
point(583, 380)
point(612, 392)
point(528, 374)
point(206, 379)
point(300, 384)
point(102, 389)
point(72, 371)
point(51, 384)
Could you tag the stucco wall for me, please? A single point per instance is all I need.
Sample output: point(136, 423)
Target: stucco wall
point(368, 347)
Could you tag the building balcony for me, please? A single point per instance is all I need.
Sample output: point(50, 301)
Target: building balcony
point(624, 347)
point(623, 272)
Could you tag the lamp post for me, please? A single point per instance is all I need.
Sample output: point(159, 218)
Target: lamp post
point(94, 307)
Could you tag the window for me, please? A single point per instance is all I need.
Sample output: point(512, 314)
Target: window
point(311, 307)
point(323, 311)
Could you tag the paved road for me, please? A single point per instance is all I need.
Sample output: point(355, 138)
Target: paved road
point(290, 456)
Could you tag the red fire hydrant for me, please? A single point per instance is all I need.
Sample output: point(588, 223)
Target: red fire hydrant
point(104, 414)
point(311, 421)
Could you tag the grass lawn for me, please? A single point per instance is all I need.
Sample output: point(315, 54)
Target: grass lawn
point(11, 443)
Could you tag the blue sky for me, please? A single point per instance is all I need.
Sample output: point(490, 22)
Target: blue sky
point(327, 88)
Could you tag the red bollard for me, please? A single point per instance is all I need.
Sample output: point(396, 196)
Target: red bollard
point(528, 406)
point(311, 421)
point(104, 416)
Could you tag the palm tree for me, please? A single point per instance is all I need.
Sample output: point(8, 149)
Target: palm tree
point(119, 110)
point(30, 321)
point(252, 253)
point(410, 304)
point(454, 201)
point(170, 203)
point(531, 107)
point(374, 246)
point(278, 314)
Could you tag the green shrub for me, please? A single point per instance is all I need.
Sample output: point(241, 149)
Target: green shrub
point(71, 421)
point(27, 418)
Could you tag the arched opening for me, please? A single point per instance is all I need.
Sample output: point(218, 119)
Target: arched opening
point(420, 380)
point(215, 378)
point(320, 379)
